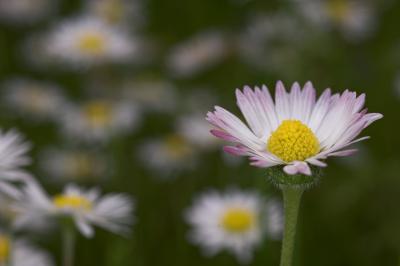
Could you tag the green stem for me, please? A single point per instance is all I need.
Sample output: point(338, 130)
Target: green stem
point(68, 245)
point(291, 197)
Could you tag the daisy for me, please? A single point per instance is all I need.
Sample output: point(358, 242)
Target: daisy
point(236, 221)
point(86, 208)
point(25, 11)
point(354, 18)
point(99, 120)
point(18, 252)
point(36, 99)
point(13, 156)
point(77, 165)
point(296, 130)
point(89, 41)
point(197, 54)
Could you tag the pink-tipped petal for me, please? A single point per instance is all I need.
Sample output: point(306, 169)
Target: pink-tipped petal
point(297, 168)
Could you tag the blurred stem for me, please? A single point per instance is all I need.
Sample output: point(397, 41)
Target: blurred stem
point(69, 239)
point(291, 198)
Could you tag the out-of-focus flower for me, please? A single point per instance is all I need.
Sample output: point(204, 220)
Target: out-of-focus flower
point(168, 156)
point(267, 41)
point(354, 18)
point(117, 12)
point(151, 95)
point(236, 221)
point(77, 165)
point(13, 156)
point(89, 41)
point(296, 130)
point(87, 208)
point(25, 11)
point(197, 54)
point(19, 252)
point(99, 120)
point(36, 99)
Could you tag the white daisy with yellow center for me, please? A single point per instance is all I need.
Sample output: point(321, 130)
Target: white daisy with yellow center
point(100, 119)
point(296, 130)
point(87, 41)
point(85, 207)
point(235, 221)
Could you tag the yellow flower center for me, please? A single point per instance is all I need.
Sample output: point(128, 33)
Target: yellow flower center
point(338, 9)
point(4, 249)
point(73, 202)
point(91, 43)
point(293, 141)
point(238, 220)
point(112, 10)
point(81, 164)
point(177, 146)
point(98, 113)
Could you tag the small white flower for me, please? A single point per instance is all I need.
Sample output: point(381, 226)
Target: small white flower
point(99, 120)
point(36, 99)
point(296, 130)
point(89, 41)
point(197, 54)
point(19, 252)
point(87, 208)
point(73, 165)
point(236, 221)
point(24, 11)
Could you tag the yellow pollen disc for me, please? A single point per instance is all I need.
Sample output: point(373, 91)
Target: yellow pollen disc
point(338, 9)
point(91, 43)
point(177, 146)
point(98, 113)
point(4, 249)
point(73, 202)
point(238, 220)
point(112, 11)
point(293, 141)
point(81, 164)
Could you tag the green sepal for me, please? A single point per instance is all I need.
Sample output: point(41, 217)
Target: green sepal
point(279, 178)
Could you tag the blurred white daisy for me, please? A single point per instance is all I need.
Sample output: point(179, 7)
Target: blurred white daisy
point(77, 165)
point(99, 120)
point(89, 41)
point(197, 54)
point(354, 18)
point(236, 221)
point(168, 155)
point(19, 252)
point(296, 130)
point(25, 11)
point(13, 156)
point(151, 95)
point(86, 208)
point(36, 99)
point(117, 12)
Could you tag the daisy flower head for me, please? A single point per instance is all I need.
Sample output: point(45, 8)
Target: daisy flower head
point(39, 100)
point(88, 41)
point(296, 130)
point(19, 252)
point(86, 208)
point(98, 120)
point(236, 221)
